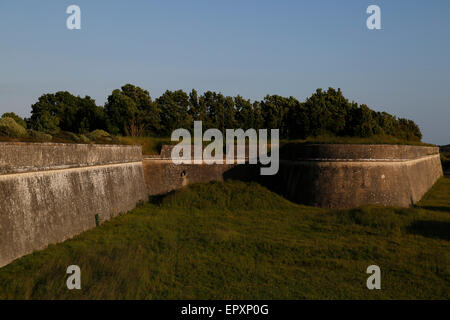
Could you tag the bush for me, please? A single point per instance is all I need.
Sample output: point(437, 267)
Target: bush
point(39, 136)
point(150, 145)
point(70, 136)
point(16, 118)
point(66, 136)
point(84, 139)
point(101, 136)
point(9, 127)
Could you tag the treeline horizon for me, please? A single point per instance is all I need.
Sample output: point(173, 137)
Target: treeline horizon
point(130, 111)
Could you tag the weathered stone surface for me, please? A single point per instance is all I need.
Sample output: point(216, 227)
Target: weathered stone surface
point(18, 157)
point(334, 176)
point(163, 176)
point(353, 183)
point(51, 192)
point(49, 206)
point(366, 152)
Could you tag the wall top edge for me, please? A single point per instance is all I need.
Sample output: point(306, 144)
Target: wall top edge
point(371, 145)
point(20, 143)
point(47, 156)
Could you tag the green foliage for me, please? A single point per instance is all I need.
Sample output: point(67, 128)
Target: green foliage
point(130, 111)
point(66, 136)
point(330, 113)
point(197, 111)
point(235, 240)
point(101, 136)
point(220, 110)
point(83, 139)
point(44, 121)
point(245, 115)
point(374, 139)
point(16, 118)
point(64, 111)
point(274, 110)
point(9, 127)
point(39, 136)
point(150, 145)
point(174, 111)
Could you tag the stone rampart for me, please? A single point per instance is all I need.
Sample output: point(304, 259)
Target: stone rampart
point(52, 192)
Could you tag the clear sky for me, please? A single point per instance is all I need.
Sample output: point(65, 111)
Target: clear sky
point(246, 47)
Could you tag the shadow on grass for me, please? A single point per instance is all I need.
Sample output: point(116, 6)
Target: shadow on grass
point(300, 190)
point(435, 208)
point(430, 229)
point(158, 199)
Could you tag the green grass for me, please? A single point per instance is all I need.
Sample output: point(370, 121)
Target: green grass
point(376, 139)
point(235, 240)
point(95, 137)
point(150, 145)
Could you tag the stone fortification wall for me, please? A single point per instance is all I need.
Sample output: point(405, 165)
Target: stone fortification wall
point(346, 184)
point(51, 192)
point(25, 157)
point(366, 152)
point(163, 176)
point(335, 176)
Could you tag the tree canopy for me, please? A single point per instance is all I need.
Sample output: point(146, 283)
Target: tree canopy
point(130, 110)
point(64, 111)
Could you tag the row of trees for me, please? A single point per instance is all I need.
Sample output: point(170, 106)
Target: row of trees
point(131, 111)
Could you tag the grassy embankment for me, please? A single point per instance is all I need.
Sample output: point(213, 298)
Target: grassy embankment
point(94, 137)
point(235, 240)
point(151, 145)
point(376, 139)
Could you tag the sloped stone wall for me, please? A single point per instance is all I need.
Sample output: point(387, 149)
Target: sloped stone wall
point(163, 176)
point(333, 176)
point(346, 184)
point(52, 192)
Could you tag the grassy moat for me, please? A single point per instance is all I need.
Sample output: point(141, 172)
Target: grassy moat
point(235, 240)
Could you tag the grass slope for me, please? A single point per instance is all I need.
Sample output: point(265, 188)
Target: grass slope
point(152, 145)
point(235, 240)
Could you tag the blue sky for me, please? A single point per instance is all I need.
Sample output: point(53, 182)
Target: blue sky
point(251, 48)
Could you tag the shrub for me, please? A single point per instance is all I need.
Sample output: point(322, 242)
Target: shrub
point(9, 127)
point(150, 145)
point(84, 139)
point(70, 136)
point(66, 136)
point(39, 136)
point(101, 136)
point(16, 118)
